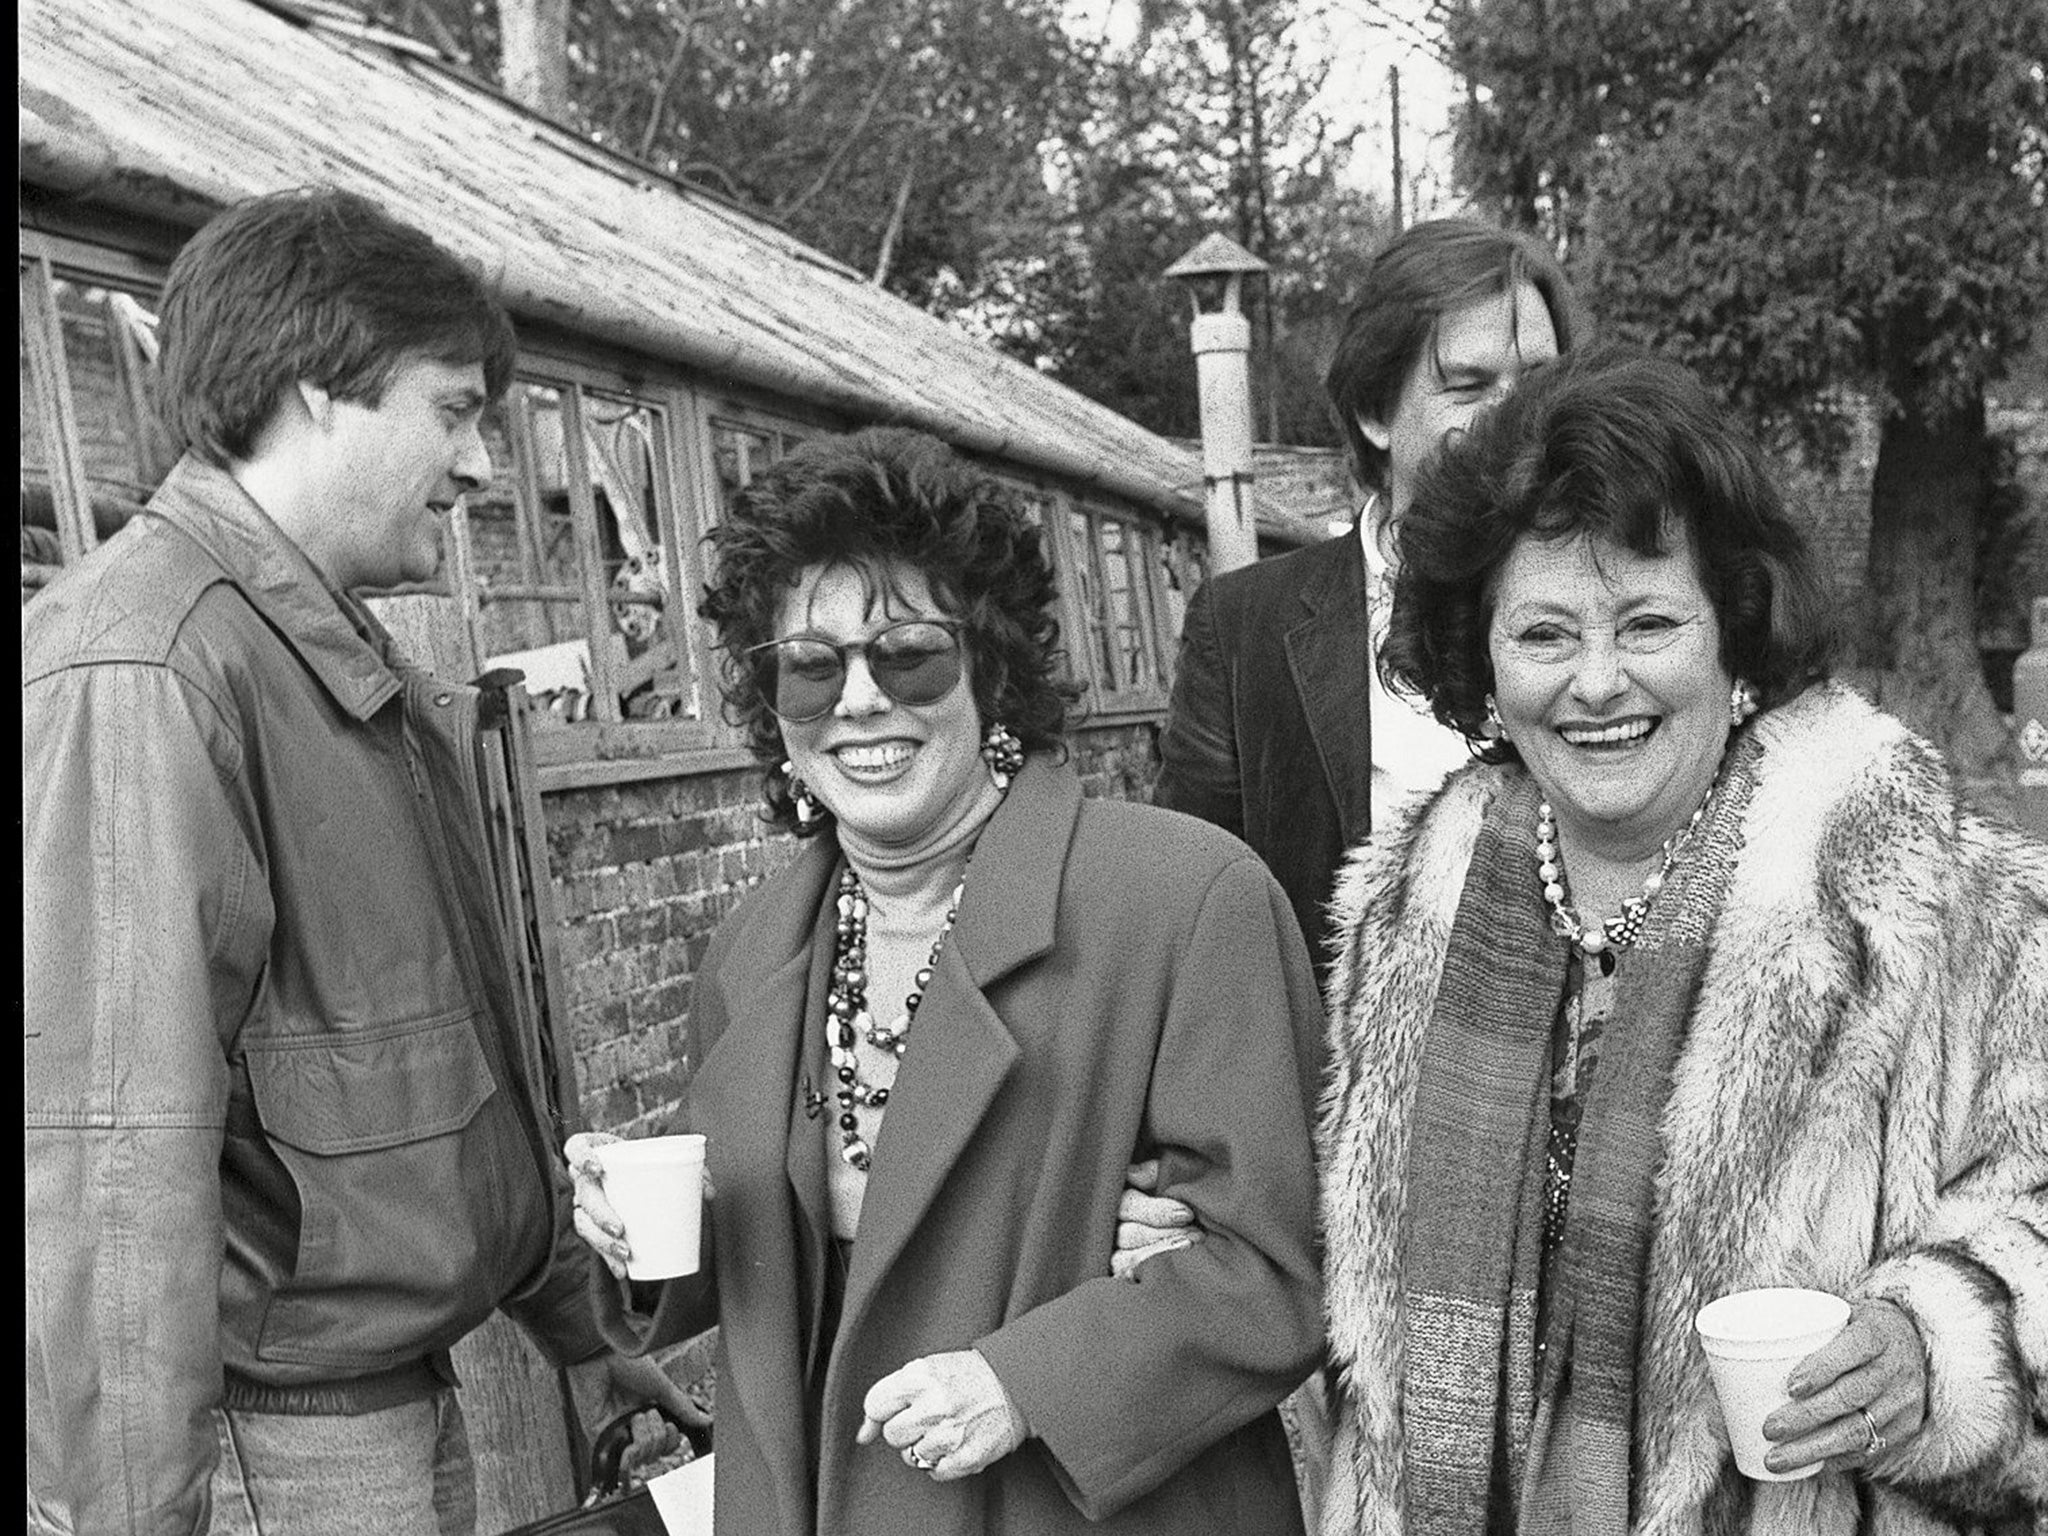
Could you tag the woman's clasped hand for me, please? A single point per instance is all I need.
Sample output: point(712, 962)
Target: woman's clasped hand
point(948, 1414)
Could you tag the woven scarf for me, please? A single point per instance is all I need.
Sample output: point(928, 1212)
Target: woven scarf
point(1490, 1447)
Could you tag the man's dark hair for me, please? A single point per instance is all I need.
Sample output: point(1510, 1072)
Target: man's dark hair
point(1425, 271)
point(864, 500)
point(318, 285)
point(1612, 443)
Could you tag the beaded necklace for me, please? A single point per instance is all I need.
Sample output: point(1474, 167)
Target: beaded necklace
point(846, 1011)
point(1626, 926)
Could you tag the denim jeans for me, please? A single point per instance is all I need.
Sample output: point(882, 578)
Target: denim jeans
point(403, 1471)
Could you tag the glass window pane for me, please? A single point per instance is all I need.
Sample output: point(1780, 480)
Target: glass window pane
point(40, 546)
point(523, 553)
point(1121, 549)
point(109, 347)
point(623, 439)
point(739, 453)
point(108, 339)
point(1099, 641)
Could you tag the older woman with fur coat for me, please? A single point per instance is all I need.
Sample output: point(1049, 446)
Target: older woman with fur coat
point(1703, 979)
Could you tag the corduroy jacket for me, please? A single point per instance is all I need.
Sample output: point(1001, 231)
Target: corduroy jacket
point(284, 1133)
point(1268, 735)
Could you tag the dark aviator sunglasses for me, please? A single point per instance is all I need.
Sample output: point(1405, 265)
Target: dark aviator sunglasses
point(915, 662)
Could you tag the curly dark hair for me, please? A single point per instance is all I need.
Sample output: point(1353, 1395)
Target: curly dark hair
point(1617, 443)
point(865, 499)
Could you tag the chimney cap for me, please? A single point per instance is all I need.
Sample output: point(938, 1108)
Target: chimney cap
point(1216, 256)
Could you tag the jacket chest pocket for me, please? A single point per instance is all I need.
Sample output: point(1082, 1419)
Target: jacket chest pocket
point(402, 1187)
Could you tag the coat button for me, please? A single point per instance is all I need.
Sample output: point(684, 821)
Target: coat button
point(444, 699)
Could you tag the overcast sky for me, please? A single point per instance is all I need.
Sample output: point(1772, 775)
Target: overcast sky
point(1364, 40)
point(1368, 39)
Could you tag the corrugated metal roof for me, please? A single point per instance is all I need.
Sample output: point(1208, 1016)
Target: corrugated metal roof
point(176, 106)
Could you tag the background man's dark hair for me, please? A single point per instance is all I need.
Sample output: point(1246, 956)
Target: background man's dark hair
point(1428, 269)
point(317, 285)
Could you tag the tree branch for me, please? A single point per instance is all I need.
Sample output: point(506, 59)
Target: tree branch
point(846, 140)
point(889, 235)
point(688, 29)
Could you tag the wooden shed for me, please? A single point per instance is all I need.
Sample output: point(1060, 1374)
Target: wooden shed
point(670, 346)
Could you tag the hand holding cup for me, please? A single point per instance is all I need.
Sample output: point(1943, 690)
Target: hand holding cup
point(1854, 1397)
point(639, 1202)
point(1754, 1340)
point(595, 1221)
point(1805, 1381)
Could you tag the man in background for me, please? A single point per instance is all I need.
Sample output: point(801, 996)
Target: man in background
point(1279, 730)
point(285, 1139)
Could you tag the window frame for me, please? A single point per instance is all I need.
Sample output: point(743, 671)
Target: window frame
point(42, 331)
point(588, 753)
point(1108, 698)
point(601, 750)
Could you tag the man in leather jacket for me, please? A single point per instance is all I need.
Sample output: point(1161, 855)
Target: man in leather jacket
point(286, 1137)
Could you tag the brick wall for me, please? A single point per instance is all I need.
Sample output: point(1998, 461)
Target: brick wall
point(642, 875)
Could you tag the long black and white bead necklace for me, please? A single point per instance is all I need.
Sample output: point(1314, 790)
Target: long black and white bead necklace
point(1626, 926)
point(847, 1016)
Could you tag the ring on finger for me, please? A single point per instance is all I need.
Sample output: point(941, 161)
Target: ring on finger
point(911, 1456)
point(1877, 1441)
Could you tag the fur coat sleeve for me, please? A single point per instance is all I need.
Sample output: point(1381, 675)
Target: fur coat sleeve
point(1861, 1105)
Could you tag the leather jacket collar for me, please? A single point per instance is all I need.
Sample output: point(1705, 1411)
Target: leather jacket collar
point(333, 634)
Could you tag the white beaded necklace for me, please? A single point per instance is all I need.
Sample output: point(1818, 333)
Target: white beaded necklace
point(1626, 926)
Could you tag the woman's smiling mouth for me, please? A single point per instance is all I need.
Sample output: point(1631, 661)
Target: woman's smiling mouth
point(1620, 733)
point(874, 757)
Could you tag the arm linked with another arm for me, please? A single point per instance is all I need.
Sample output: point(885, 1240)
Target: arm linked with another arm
point(1126, 1382)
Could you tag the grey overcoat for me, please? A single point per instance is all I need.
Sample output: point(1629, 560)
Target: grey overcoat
point(1122, 981)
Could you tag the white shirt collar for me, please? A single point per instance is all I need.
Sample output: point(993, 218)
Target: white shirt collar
point(1377, 566)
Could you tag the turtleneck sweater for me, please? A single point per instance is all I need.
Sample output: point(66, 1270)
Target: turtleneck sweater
point(910, 889)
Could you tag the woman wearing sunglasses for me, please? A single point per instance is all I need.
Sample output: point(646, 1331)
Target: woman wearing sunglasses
point(929, 1048)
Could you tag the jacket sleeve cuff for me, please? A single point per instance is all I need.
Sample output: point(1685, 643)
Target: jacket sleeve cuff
point(1981, 1307)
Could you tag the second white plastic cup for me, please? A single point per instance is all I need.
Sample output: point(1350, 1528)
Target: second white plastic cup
point(656, 1184)
point(1753, 1339)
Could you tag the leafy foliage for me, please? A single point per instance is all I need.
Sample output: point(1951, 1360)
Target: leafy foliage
point(1855, 201)
point(1826, 206)
point(900, 136)
point(1207, 120)
point(1801, 198)
point(984, 160)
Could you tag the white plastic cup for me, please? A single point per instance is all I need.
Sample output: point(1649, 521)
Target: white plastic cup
point(656, 1184)
point(1753, 1339)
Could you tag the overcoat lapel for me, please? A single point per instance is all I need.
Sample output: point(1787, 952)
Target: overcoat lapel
point(744, 1095)
point(1329, 654)
point(962, 1051)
